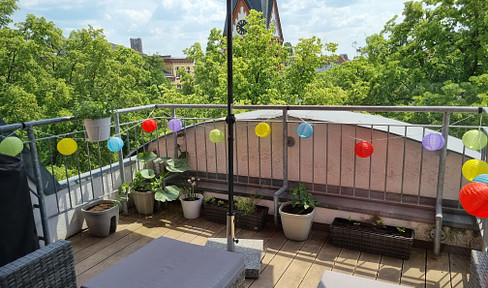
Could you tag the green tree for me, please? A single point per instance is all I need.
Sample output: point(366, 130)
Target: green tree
point(7, 8)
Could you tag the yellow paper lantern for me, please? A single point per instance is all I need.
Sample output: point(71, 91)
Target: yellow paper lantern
point(262, 129)
point(216, 136)
point(11, 146)
point(475, 139)
point(473, 168)
point(67, 146)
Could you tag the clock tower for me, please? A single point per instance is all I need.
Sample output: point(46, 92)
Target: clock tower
point(241, 8)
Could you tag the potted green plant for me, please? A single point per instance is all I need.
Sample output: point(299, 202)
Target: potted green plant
point(249, 215)
point(101, 217)
point(191, 201)
point(96, 117)
point(297, 214)
point(146, 186)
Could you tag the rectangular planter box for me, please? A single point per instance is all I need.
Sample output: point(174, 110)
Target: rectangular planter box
point(218, 213)
point(378, 239)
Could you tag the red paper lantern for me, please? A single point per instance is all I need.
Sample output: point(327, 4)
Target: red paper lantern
point(474, 199)
point(364, 149)
point(149, 125)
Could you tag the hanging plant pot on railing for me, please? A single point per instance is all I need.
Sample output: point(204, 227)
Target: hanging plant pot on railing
point(374, 238)
point(96, 117)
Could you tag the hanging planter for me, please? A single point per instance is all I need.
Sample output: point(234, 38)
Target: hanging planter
point(96, 117)
point(374, 238)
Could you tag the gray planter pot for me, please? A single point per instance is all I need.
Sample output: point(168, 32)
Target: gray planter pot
point(97, 129)
point(144, 202)
point(101, 223)
point(296, 226)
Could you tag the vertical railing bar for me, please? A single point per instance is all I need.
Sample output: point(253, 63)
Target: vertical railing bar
point(90, 167)
point(100, 168)
point(313, 162)
point(157, 137)
point(120, 155)
point(354, 163)
point(419, 193)
point(216, 155)
point(259, 160)
point(386, 160)
point(205, 149)
point(299, 160)
point(403, 165)
point(79, 178)
point(54, 180)
point(340, 162)
point(195, 146)
point(271, 154)
point(236, 153)
point(185, 130)
point(326, 158)
point(175, 136)
point(370, 163)
point(40, 188)
point(165, 125)
point(248, 155)
point(67, 182)
point(440, 186)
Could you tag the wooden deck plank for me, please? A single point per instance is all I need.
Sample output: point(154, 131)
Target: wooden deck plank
point(346, 261)
point(459, 270)
point(413, 273)
point(303, 260)
point(367, 266)
point(390, 269)
point(324, 261)
point(437, 274)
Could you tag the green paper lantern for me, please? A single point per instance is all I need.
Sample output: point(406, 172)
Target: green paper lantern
point(216, 136)
point(11, 146)
point(475, 139)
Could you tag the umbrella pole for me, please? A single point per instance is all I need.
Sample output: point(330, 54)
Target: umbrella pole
point(230, 128)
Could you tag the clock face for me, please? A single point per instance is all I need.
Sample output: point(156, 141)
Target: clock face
point(240, 27)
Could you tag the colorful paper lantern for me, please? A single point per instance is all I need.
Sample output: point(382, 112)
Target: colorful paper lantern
point(175, 125)
point(149, 125)
point(216, 136)
point(474, 199)
point(262, 129)
point(433, 141)
point(364, 149)
point(115, 144)
point(475, 139)
point(67, 146)
point(304, 130)
point(11, 146)
point(482, 178)
point(473, 168)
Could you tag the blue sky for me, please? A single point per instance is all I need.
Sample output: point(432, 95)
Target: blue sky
point(169, 26)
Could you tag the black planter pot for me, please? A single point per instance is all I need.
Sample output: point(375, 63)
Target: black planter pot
point(378, 239)
point(252, 221)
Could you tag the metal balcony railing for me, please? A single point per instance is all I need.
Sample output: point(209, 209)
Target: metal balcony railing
point(400, 172)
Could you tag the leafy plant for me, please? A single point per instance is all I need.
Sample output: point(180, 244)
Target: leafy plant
point(93, 110)
point(401, 229)
point(247, 204)
point(147, 180)
point(210, 199)
point(301, 198)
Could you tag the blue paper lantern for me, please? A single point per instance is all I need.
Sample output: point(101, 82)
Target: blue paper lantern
point(482, 178)
point(433, 141)
point(115, 144)
point(304, 130)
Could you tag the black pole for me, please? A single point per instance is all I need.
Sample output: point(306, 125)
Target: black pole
point(230, 128)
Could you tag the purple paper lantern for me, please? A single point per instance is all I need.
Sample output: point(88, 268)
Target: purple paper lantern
point(175, 125)
point(433, 141)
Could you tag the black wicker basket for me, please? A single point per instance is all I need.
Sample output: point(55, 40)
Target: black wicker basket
point(251, 221)
point(378, 239)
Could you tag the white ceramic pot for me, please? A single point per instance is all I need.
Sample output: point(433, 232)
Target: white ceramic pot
point(191, 209)
point(97, 129)
point(296, 226)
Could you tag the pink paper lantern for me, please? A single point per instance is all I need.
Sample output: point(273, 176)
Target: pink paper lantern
point(149, 125)
point(364, 149)
point(175, 125)
point(433, 141)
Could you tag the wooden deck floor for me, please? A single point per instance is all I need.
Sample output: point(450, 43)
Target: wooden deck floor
point(286, 263)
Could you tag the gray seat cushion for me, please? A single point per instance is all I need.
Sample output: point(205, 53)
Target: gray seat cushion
point(166, 262)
